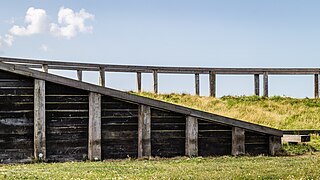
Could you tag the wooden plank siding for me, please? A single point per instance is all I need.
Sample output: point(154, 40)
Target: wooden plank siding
point(16, 118)
point(67, 120)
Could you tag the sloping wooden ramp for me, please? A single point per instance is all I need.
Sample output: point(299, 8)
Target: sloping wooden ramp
point(48, 117)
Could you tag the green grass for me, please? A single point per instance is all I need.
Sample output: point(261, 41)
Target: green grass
point(277, 112)
point(301, 161)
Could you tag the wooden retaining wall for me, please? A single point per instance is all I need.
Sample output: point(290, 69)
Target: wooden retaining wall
point(42, 120)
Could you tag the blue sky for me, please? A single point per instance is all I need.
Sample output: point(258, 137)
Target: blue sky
point(177, 33)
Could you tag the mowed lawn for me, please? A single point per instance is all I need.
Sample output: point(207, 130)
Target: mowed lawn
point(226, 167)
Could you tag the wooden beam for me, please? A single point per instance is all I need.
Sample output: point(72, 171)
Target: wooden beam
point(191, 147)
point(102, 77)
point(138, 99)
point(144, 131)
point(274, 145)
point(197, 84)
point(45, 68)
point(316, 86)
point(79, 75)
point(139, 81)
point(94, 132)
point(256, 85)
point(238, 141)
point(212, 83)
point(155, 81)
point(265, 84)
point(39, 120)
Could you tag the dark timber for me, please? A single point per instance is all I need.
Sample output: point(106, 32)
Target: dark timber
point(69, 120)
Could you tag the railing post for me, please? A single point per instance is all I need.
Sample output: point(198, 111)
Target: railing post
point(265, 84)
point(155, 81)
point(238, 141)
point(94, 130)
point(79, 75)
point(316, 85)
point(197, 84)
point(45, 68)
point(256, 85)
point(191, 146)
point(102, 77)
point(139, 81)
point(39, 120)
point(212, 83)
point(144, 131)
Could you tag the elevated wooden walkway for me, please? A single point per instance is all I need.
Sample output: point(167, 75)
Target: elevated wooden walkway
point(48, 117)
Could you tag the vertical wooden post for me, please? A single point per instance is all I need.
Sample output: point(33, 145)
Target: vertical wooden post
point(316, 86)
point(238, 141)
point(155, 81)
point(94, 139)
point(45, 68)
point(274, 145)
point(197, 83)
point(265, 84)
point(144, 131)
point(79, 75)
point(102, 77)
point(39, 120)
point(139, 81)
point(256, 85)
point(191, 146)
point(212, 83)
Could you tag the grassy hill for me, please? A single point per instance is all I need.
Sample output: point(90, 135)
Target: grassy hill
point(277, 112)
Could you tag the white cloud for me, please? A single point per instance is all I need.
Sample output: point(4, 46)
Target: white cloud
point(7, 40)
point(70, 23)
point(37, 22)
point(44, 48)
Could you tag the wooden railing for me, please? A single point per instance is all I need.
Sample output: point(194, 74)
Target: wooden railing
point(45, 65)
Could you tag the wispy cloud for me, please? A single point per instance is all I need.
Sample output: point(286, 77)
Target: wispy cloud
point(44, 48)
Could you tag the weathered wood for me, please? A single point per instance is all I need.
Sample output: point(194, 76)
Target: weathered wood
point(39, 120)
point(139, 81)
point(238, 141)
point(102, 77)
point(274, 145)
point(197, 84)
point(316, 86)
point(45, 68)
point(256, 85)
point(79, 75)
point(138, 99)
point(191, 136)
point(155, 82)
point(212, 83)
point(265, 84)
point(94, 142)
point(144, 131)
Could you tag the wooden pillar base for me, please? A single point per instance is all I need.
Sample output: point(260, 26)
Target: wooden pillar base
point(144, 131)
point(238, 141)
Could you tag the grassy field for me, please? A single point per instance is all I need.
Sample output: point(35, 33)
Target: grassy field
point(278, 112)
point(300, 161)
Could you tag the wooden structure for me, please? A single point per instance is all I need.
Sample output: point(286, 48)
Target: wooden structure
point(156, 70)
point(49, 117)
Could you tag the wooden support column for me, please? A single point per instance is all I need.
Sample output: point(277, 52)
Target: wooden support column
point(102, 77)
point(197, 84)
point(212, 84)
point(39, 120)
point(191, 146)
point(155, 81)
point(79, 75)
point(256, 85)
point(94, 138)
point(238, 141)
point(265, 84)
point(316, 86)
point(139, 81)
point(274, 145)
point(144, 131)
point(45, 68)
